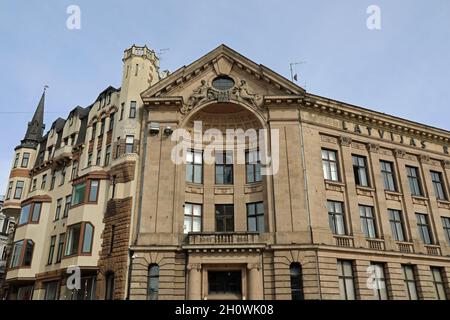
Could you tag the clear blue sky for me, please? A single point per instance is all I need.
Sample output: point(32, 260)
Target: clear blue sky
point(402, 69)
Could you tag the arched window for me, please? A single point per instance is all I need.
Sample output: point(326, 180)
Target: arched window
point(153, 282)
point(296, 281)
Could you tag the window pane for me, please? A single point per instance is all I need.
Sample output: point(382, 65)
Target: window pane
point(93, 191)
point(88, 234)
point(78, 193)
point(36, 212)
point(25, 214)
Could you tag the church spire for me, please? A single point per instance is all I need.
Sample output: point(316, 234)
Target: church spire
point(36, 126)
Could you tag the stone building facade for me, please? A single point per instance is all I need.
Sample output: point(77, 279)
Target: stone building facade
point(356, 206)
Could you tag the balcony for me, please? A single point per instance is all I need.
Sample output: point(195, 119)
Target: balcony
point(375, 244)
point(405, 247)
point(344, 241)
point(224, 239)
point(63, 153)
point(433, 250)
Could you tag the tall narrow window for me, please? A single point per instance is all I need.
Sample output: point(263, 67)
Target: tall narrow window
point(410, 282)
point(192, 217)
point(16, 160)
point(44, 182)
point(113, 186)
point(16, 254)
point(438, 282)
point(436, 178)
point(73, 239)
point(93, 190)
point(99, 157)
point(414, 181)
point(367, 221)
point(25, 160)
point(255, 217)
point(53, 181)
point(74, 170)
point(129, 143)
point(67, 206)
point(360, 171)
point(112, 117)
point(108, 155)
point(253, 166)
point(78, 194)
point(87, 238)
point(446, 225)
point(19, 190)
point(94, 130)
point(51, 290)
point(387, 172)
point(224, 218)
point(28, 254)
point(346, 281)
point(396, 221)
point(25, 214)
point(133, 109)
point(423, 225)
point(122, 110)
point(58, 208)
point(330, 165)
point(194, 166)
point(378, 281)
point(296, 281)
point(336, 217)
point(36, 212)
point(153, 282)
point(109, 286)
point(102, 127)
point(89, 159)
point(63, 175)
point(224, 167)
point(59, 253)
point(51, 250)
point(10, 188)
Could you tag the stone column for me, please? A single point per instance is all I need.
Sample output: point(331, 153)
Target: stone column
point(255, 287)
point(195, 282)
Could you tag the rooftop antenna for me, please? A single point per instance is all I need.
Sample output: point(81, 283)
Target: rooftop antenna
point(46, 87)
point(294, 77)
point(162, 51)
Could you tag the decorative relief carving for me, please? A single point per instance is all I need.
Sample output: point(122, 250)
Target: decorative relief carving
point(373, 147)
point(253, 189)
point(195, 266)
point(223, 190)
point(362, 192)
point(425, 159)
point(446, 164)
point(205, 93)
point(393, 197)
point(422, 202)
point(357, 145)
point(333, 187)
point(252, 266)
point(443, 204)
point(345, 141)
point(399, 153)
point(328, 139)
point(196, 190)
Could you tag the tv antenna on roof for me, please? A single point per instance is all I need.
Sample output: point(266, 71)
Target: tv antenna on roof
point(161, 52)
point(294, 77)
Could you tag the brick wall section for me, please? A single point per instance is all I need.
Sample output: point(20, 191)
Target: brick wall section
point(118, 214)
point(124, 172)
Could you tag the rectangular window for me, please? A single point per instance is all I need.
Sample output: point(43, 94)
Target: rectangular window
point(88, 235)
point(25, 160)
point(22, 254)
point(387, 172)
point(58, 208)
point(25, 214)
point(79, 239)
point(423, 225)
point(378, 282)
point(16, 160)
point(194, 166)
point(36, 212)
point(30, 213)
point(93, 190)
point(19, 190)
point(94, 130)
point(51, 290)
point(336, 217)
point(192, 218)
point(253, 166)
point(51, 250)
point(59, 253)
point(224, 218)
point(67, 206)
point(368, 225)
point(438, 282)
point(34, 185)
point(102, 127)
point(63, 176)
point(99, 157)
point(89, 160)
point(436, 178)
point(108, 155)
point(74, 170)
point(16, 254)
point(44, 182)
point(346, 280)
point(117, 148)
point(255, 217)
point(53, 181)
point(360, 171)
point(133, 109)
point(129, 142)
point(224, 167)
point(122, 110)
point(410, 282)
point(396, 222)
point(446, 225)
point(414, 181)
point(330, 165)
point(111, 121)
point(10, 188)
point(78, 194)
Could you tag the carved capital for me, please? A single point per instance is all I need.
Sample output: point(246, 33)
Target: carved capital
point(373, 147)
point(399, 153)
point(345, 141)
point(194, 266)
point(446, 164)
point(254, 266)
point(425, 159)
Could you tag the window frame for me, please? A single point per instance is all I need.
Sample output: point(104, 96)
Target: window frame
point(414, 181)
point(191, 216)
point(128, 144)
point(256, 215)
point(224, 216)
point(86, 199)
point(365, 219)
point(446, 227)
point(388, 176)
point(332, 217)
point(31, 213)
point(424, 225)
point(51, 250)
point(394, 222)
point(297, 289)
point(224, 166)
point(328, 164)
point(438, 185)
point(255, 167)
point(25, 159)
point(81, 240)
point(361, 171)
point(153, 293)
point(21, 188)
point(195, 166)
point(343, 279)
point(407, 281)
point(439, 284)
point(133, 110)
point(21, 256)
point(379, 291)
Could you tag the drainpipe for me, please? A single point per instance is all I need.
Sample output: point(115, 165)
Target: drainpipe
point(130, 256)
point(308, 207)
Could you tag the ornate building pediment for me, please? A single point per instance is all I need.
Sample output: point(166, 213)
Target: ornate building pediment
point(224, 76)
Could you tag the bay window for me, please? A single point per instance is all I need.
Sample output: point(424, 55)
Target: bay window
point(79, 239)
point(30, 213)
point(22, 254)
point(87, 190)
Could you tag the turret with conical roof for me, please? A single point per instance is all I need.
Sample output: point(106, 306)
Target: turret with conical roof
point(36, 127)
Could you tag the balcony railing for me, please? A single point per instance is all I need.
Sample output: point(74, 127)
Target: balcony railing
point(375, 244)
point(405, 247)
point(63, 153)
point(225, 238)
point(344, 241)
point(433, 250)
